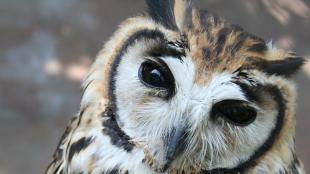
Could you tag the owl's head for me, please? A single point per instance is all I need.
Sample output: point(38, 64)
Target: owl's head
point(194, 91)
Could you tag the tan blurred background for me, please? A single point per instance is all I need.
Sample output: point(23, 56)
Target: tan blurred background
point(46, 47)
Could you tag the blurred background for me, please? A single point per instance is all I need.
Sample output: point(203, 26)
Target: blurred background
point(47, 46)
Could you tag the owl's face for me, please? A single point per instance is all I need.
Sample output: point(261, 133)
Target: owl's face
point(197, 92)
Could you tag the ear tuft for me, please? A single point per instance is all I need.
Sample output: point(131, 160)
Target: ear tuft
point(286, 67)
point(170, 13)
point(162, 11)
point(182, 12)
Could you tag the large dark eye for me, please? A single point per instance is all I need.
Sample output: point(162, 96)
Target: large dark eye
point(234, 111)
point(155, 75)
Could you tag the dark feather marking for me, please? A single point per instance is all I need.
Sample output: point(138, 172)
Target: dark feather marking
point(162, 11)
point(87, 85)
point(81, 115)
point(213, 20)
point(258, 47)
point(239, 42)
point(236, 28)
point(294, 166)
point(222, 37)
point(244, 166)
point(206, 53)
point(59, 152)
point(285, 67)
point(252, 93)
point(163, 50)
point(78, 146)
point(146, 34)
point(256, 38)
point(208, 21)
point(117, 136)
point(113, 171)
point(56, 170)
point(205, 24)
point(203, 19)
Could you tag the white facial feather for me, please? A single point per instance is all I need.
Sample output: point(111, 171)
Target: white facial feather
point(147, 118)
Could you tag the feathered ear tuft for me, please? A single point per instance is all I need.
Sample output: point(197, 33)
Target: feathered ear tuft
point(161, 11)
point(182, 12)
point(170, 13)
point(285, 67)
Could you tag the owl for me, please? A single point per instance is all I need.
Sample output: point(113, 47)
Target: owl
point(180, 90)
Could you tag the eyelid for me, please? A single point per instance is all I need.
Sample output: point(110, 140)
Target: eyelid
point(251, 104)
point(161, 63)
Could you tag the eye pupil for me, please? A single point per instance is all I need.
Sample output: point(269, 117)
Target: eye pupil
point(153, 75)
point(156, 77)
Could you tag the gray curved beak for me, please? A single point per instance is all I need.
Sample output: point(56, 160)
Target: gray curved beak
point(175, 144)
